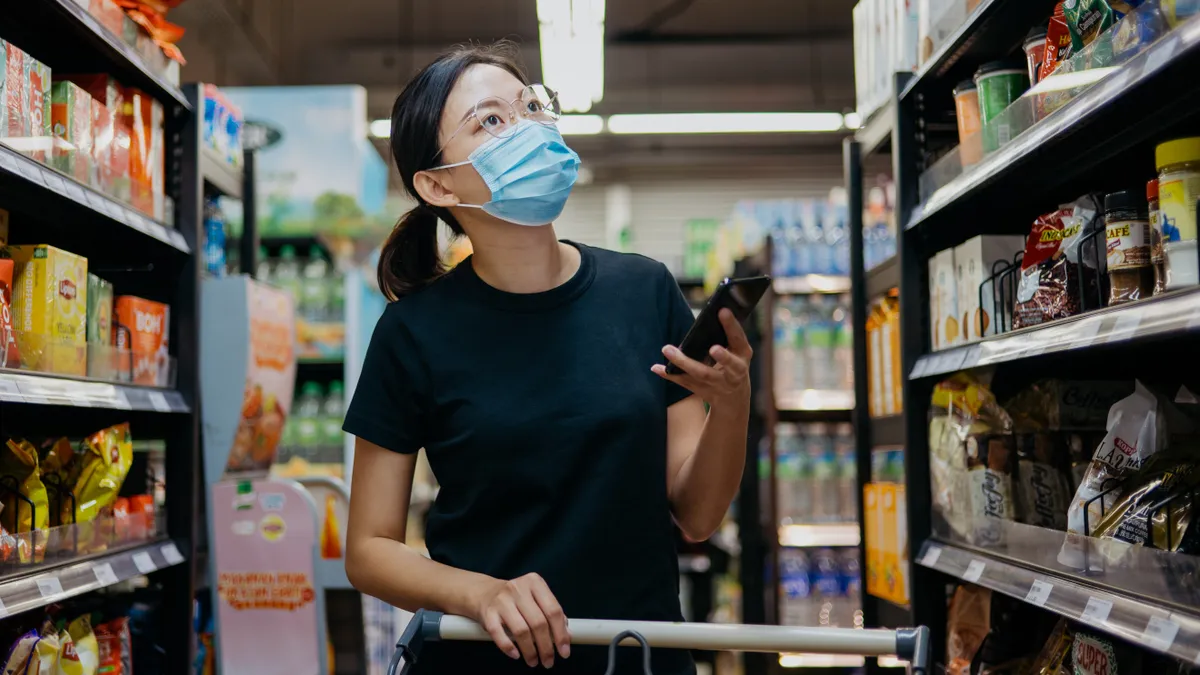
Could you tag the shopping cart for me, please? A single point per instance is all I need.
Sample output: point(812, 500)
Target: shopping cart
point(909, 644)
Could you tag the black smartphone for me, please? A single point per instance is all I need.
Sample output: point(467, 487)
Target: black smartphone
point(738, 296)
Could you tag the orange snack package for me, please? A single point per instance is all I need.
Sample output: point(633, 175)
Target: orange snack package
point(331, 537)
point(114, 644)
point(141, 516)
point(141, 328)
point(10, 356)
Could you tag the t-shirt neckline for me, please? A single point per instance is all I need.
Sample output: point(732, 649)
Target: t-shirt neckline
point(531, 302)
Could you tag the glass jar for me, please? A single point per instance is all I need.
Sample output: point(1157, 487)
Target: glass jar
point(1127, 231)
point(1178, 165)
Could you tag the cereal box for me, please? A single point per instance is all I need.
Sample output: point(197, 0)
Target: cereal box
point(50, 305)
point(71, 117)
point(37, 74)
point(141, 328)
point(16, 90)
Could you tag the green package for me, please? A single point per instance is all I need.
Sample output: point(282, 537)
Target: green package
point(1087, 19)
point(102, 362)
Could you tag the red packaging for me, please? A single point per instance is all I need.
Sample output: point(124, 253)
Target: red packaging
point(1061, 256)
point(16, 91)
point(141, 515)
point(102, 146)
point(10, 357)
point(108, 14)
point(38, 75)
point(114, 134)
point(145, 151)
point(115, 647)
point(1058, 43)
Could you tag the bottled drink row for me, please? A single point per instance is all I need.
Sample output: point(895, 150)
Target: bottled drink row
point(814, 346)
point(808, 235)
point(316, 285)
point(820, 588)
point(815, 474)
point(314, 428)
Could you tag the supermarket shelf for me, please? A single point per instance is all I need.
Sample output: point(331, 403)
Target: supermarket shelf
point(1170, 314)
point(46, 389)
point(883, 277)
point(39, 181)
point(821, 661)
point(992, 31)
point(814, 400)
point(887, 430)
point(321, 360)
point(819, 536)
point(57, 581)
point(69, 39)
point(220, 175)
point(1067, 136)
point(876, 132)
point(1154, 625)
point(809, 284)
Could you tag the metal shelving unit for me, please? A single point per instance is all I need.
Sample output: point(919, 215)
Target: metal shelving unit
point(1062, 157)
point(140, 256)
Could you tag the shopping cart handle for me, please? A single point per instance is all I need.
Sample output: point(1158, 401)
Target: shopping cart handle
point(909, 644)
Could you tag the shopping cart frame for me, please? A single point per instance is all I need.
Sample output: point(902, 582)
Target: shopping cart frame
point(908, 644)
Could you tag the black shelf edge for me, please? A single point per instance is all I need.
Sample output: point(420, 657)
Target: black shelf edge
point(220, 175)
point(22, 386)
point(883, 277)
point(45, 180)
point(887, 430)
point(689, 282)
point(1174, 313)
point(1088, 111)
point(56, 581)
point(1155, 626)
point(127, 65)
point(876, 131)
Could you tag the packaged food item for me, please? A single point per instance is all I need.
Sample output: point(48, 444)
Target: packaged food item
point(110, 133)
point(44, 658)
point(1087, 19)
point(108, 14)
point(1178, 165)
point(1060, 273)
point(102, 359)
point(968, 625)
point(966, 110)
point(10, 354)
point(1178, 11)
point(141, 516)
point(103, 462)
point(86, 650)
point(1096, 654)
point(18, 654)
point(16, 91)
point(999, 83)
point(1137, 430)
point(331, 537)
point(145, 152)
point(56, 467)
point(1127, 233)
point(50, 303)
point(27, 514)
point(101, 175)
point(38, 75)
point(971, 453)
point(1055, 657)
point(1035, 53)
point(1136, 31)
point(71, 124)
point(1155, 507)
point(974, 261)
point(141, 329)
point(1157, 260)
point(114, 647)
point(1058, 43)
point(943, 303)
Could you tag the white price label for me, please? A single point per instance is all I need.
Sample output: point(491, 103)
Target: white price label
point(3, 610)
point(1126, 325)
point(1039, 593)
point(1085, 332)
point(144, 563)
point(7, 161)
point(55, 183)
point(932, 554)
point(120, 400)
point(170, 553)
point(1160, 633)
point(1160, 54)
point(33, 171)
point(49, 587)
point(974, 570)
point(105, 574)
point(96, 202)
point(9, 391)
point(78, 398)
point(157, 231)
point(76, 192)
point(1096, 611)
point(159, 402)
point(970, 358)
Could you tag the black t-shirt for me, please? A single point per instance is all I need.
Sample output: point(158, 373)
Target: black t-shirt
point(547, 433)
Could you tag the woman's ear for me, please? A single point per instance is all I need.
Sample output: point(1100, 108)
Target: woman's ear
point(436, 188)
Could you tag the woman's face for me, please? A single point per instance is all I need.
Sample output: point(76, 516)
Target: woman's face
point(461, 133)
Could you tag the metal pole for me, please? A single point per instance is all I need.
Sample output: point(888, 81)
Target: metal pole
point(249, 243)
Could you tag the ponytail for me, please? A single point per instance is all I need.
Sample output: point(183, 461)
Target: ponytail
point(410, 259)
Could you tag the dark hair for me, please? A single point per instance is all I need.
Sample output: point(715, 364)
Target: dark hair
point(410, 259)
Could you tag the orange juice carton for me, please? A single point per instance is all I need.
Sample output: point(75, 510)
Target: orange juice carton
point(50, 306)
point(141, 328)
point(71, 122)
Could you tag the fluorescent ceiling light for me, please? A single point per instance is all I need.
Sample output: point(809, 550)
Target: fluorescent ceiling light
point(571, 36)
point(381, 128)
point(580, 125)
point(852, 120)
point(725, 123)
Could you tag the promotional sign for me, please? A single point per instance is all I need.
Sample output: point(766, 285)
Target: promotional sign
point(267, 602)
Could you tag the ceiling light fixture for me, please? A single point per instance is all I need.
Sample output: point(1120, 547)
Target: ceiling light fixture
point(381, 128)
point(571, 35)
point(580, 125)
point(726, 123)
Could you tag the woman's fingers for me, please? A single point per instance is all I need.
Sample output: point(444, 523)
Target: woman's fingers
point(738, 342)
point(494, 625)
point(686, 364)
point(520, 632)
point(539, 628)
point(555, 615)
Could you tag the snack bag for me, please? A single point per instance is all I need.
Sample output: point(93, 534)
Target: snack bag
point(55, 468)
point(331, 539)
point(19, 463)
point(1156, 505)
point(18, 654)
point(1096, 654)
point(44, 659)
point(10, 355)
point(87, 649)
point(104, 462)
point(1057, 262)
point(141, 515)
point(1137, 430)
point(1087, 20)
point(1055, 657)
point(114, 648)
point(141, 328)
point(969, 623)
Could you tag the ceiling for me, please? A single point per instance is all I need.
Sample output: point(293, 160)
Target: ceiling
point(661, 56)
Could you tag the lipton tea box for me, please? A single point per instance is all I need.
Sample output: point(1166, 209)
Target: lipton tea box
point(50, 308)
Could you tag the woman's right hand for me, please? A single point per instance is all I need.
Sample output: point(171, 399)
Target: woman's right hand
point(524, 619)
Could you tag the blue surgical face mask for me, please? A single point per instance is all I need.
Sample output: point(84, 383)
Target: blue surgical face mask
point(530, 174)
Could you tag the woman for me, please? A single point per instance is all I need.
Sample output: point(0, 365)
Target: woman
point(531, 374)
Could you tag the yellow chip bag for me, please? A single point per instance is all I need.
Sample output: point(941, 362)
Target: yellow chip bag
point(86, 648)
point(44, 659)
point(56, 463)
point(103, 462)
point(26, 511)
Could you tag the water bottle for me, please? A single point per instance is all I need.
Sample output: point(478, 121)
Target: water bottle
point(332, 415)
point(314, 287)
point(826, 582)
point(784, 349)
point(823, 477)
point(794, 215)
point(787, 472)
point(214, 239)
point(287, 273)
point(818, 345)
point(843, 346)
point(796, 587)
point(801, 376)
point(262, 270)
point(308, 421)
point(337, 297)
point(851, 589)
point(847, 473)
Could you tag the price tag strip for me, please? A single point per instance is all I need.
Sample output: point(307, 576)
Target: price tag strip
point(144, 563)
point(974, 571)
point(1039, 593)
point(170, 553)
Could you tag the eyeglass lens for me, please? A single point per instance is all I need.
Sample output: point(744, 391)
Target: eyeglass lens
point(499, 118)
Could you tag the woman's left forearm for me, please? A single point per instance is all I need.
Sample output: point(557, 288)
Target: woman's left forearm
point(708, 480)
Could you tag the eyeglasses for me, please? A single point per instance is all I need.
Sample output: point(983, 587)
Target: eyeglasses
point(537, 103)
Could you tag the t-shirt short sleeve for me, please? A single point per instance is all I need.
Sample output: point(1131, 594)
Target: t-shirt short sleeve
point(677, 318)
point(389, 404)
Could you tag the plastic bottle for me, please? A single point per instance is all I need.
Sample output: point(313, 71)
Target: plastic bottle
point(287, 272)
point(818, 345)
point(262, 270)
point(333, 413)
point(847, 473)
point(796, 587)
point(787, 472)
point(308, 420)
point(795, 214)
point(314, 287)
point(823, 484)
point(337, 297)
point(851, 587)
point(784, 348)
point(214, 239)
point(801, 376)
point(826, 582)
point(843, 346)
